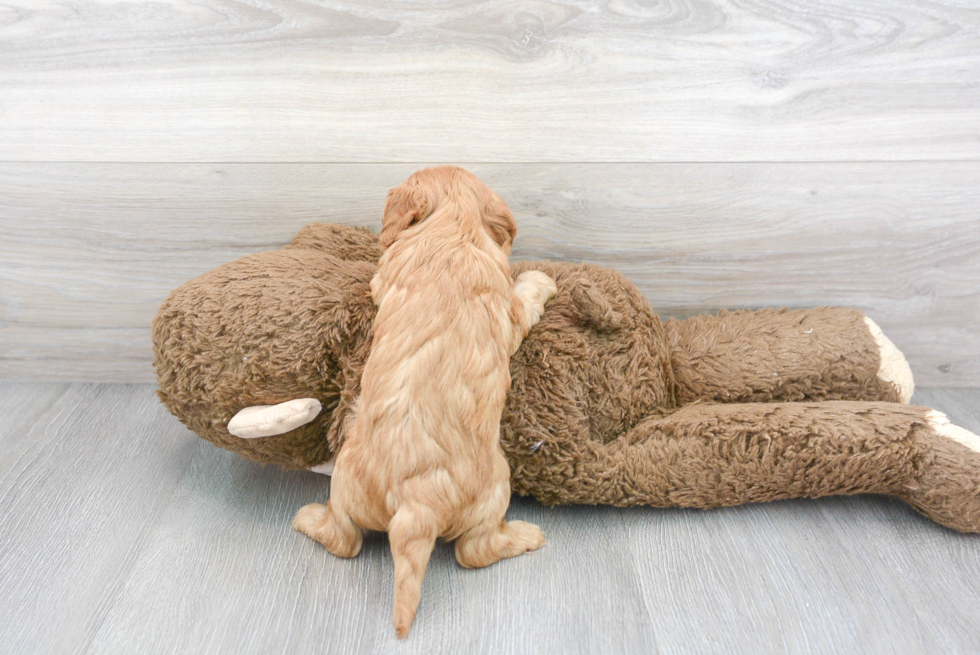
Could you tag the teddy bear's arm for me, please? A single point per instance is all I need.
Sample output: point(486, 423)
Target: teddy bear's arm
point(786, 355)
point(713, 455)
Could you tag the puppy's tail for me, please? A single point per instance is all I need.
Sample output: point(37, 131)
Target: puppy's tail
point(412, 534)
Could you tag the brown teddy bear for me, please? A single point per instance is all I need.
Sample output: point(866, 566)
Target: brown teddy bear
point(608, 404)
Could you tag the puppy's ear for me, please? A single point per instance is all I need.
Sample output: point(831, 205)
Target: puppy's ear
point(498, 221)
point(405, 206)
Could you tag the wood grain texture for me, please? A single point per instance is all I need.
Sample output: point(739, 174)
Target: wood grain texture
point(90, 251)
point(21, 405)
point(582, 80)
point(120, 532)
point(80, 487)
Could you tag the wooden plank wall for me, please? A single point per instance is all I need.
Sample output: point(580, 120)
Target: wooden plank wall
point(721, 154)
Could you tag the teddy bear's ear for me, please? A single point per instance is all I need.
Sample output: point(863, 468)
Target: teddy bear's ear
point(405, 206)
point(594, 308)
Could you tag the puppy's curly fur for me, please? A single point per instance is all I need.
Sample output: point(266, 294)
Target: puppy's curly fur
point(422, 458)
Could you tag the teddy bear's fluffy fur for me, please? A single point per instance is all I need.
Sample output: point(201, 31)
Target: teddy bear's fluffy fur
point(608, 404)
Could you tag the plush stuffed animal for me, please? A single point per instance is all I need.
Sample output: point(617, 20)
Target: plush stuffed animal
point(263, 356)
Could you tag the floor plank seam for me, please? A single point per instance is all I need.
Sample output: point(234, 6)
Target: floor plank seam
point(636, 572)
point(139, 548)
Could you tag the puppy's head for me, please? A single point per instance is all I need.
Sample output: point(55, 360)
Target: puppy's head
point(427, 190)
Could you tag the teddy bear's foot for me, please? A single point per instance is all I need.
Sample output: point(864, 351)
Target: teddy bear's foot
point(894, 368)
point(948, 491)
point(270, 420)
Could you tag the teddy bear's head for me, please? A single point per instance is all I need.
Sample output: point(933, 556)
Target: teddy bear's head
point(296, 323)
point(261, 330)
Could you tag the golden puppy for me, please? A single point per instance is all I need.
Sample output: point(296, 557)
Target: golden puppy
point(422, 458)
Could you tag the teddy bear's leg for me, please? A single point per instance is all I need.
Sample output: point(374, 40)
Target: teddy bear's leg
point(786, 356)
point(711, 455)
point(270, 420)
point(948, 491)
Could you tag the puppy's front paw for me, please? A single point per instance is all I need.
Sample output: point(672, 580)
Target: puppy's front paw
point(534, 288)
point(377, 284)
point(538, 286)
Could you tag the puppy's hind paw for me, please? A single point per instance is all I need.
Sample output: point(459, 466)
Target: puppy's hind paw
point(319, 522)
point(527, 535)
point(310, 519)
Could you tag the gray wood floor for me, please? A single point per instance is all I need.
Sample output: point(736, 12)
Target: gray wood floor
point(121, 532)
